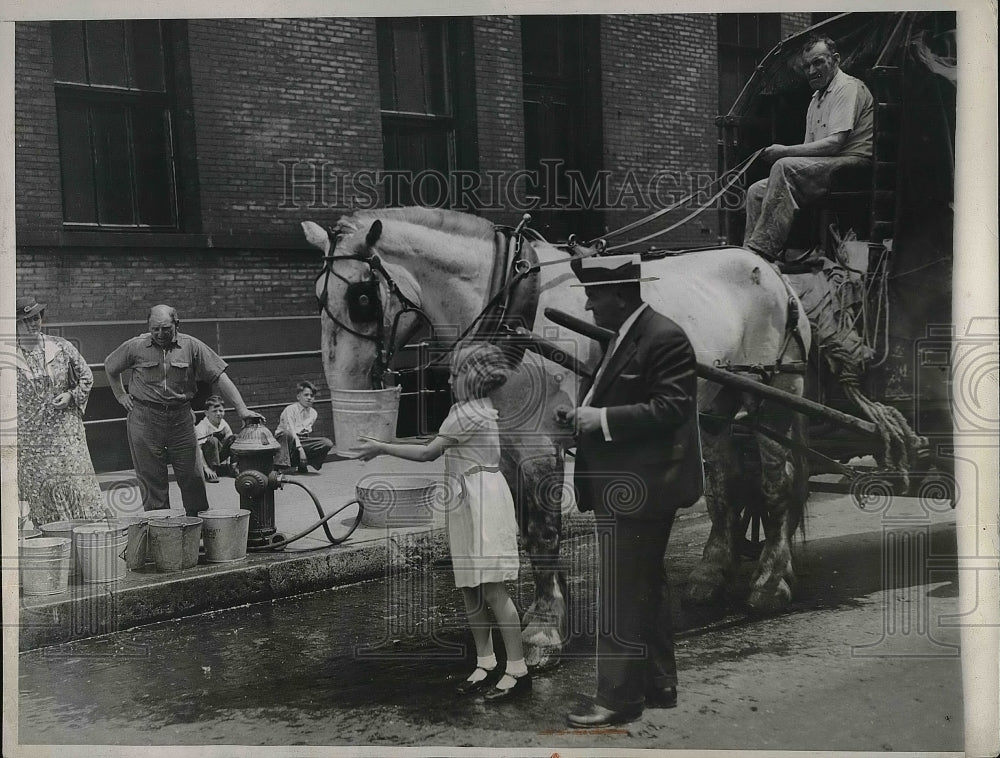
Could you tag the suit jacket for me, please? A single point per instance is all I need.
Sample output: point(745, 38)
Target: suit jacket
point(653, 464)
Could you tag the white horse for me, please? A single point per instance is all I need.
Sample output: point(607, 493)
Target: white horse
point(734, 307)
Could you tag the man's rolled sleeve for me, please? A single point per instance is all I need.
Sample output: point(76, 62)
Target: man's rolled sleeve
point(120, 359)
point(208, 366)
point(843, 108)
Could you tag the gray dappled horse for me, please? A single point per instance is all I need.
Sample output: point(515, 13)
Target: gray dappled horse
point(734, 307)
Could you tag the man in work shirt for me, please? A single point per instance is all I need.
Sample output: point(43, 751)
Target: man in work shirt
point(166, 366)
point(839, 135)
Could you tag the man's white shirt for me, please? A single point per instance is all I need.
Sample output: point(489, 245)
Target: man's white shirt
point(606, 360)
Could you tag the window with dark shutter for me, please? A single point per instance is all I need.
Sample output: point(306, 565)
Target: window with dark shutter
point(116, 143)
point(424, 124)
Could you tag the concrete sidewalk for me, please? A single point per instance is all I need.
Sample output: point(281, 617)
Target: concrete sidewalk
point(309, 564)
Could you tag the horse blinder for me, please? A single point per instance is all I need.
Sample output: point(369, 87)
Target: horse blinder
point(363, 305)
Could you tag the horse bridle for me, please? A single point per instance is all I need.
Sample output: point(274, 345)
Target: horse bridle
point(364, 305)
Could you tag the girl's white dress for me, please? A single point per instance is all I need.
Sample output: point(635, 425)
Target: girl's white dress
point(482, 529)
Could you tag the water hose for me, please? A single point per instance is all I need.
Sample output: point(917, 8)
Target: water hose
point(324, 518)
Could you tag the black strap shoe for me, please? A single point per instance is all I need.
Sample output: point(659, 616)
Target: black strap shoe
point(521, 686)
point(466, 687)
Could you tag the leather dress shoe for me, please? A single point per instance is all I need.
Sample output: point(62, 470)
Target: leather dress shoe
point(598, 716)
point(661, 697)
point(522, 686)
point(465, 687)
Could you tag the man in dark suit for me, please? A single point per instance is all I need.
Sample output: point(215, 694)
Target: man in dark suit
point(638, 460)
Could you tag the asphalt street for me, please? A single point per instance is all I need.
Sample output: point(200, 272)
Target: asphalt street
point(866, 659)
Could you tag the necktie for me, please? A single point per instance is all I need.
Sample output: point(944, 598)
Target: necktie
point(608, 352)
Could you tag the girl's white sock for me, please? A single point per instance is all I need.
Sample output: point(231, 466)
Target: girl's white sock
point(517, 668)
point(484, 664)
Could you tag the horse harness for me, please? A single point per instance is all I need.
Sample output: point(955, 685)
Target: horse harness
point(511, 303)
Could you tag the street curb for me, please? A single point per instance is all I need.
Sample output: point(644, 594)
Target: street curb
point(147, 597)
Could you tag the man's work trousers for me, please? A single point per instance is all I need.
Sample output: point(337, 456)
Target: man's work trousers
point(772, 202)
point(157, 437)
point(635, 641)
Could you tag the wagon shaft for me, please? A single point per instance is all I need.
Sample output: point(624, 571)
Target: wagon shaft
point(729, 379)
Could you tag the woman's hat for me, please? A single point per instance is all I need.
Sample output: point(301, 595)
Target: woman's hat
point(27, 307)
point(609, 269)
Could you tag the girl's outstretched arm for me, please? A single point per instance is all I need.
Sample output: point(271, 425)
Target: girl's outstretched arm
point(429, 451)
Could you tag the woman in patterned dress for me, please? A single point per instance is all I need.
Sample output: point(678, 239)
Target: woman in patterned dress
point(55, 476)
point(482, 529)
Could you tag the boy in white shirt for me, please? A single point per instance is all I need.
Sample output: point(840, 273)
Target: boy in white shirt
point(215, 437)
point(294, 432)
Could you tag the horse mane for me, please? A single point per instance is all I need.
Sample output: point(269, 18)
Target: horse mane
point(438, 219)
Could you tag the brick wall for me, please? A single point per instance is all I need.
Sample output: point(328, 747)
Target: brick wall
point(271, 90)
point(499, 98)
point(38, 202)
point(792, 23)
point(660, 85)
point(122, 283)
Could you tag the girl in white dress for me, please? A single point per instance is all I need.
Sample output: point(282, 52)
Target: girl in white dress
point(482, 529)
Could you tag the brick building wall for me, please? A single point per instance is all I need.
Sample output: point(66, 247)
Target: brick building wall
point(659, 92)
point(793, 23)
point(499, 99)
point(37, 198)
point(268, 91)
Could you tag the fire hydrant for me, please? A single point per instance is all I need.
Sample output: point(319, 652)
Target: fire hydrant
point(254, 449)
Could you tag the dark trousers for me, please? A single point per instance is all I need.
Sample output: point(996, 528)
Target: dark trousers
point(157, 437)
point(635, 641)
point(316, 449)
point(216, 449)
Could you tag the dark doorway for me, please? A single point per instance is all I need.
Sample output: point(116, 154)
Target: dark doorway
point(562, 123)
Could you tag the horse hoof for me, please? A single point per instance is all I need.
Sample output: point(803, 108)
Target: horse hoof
point(765, 600)
point(539, 636)
point(541, 658)
point(704, 587)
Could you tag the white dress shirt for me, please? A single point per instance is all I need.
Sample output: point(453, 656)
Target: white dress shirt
point(618, 339)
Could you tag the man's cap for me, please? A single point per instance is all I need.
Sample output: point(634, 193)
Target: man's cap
point(609, 269)
point(27, 307)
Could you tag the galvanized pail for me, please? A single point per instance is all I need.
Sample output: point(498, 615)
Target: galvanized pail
point(224, 533)
point(174, 542)
point(45, 565)
point(363, 413)
point(100, 549)
point(65, 529)
point(396, 502)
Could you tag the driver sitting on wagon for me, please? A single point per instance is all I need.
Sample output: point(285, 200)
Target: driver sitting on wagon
point(839, 136)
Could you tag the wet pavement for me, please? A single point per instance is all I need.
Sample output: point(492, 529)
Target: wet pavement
point(867, 659)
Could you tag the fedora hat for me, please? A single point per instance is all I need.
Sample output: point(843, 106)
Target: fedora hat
point(27, 307)
point(609, 269)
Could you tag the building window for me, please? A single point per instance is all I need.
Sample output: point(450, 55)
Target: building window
point(744, 39)
point(116, 143)
point(421, 90)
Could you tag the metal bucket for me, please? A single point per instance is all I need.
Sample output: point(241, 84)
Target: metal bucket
point(399, 502)
point(225, 534)
point(137, 545)
point(100, 549)
point(164, 513)
point(363, 413)
point(65, 529)
point(173, 542)
point(45, 563)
